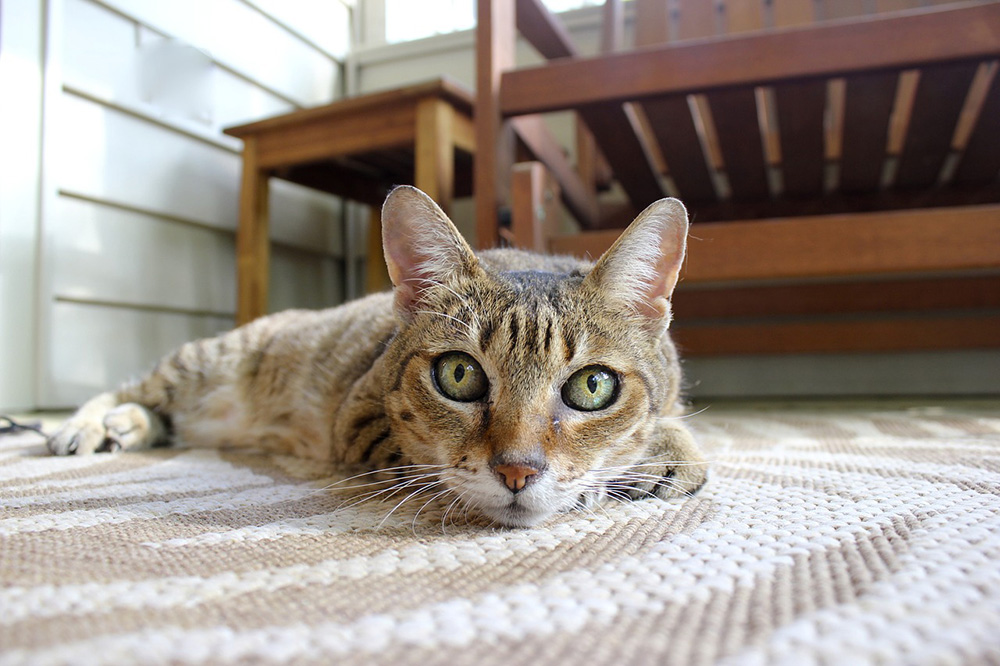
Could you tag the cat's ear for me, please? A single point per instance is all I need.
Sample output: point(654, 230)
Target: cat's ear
point(422, 247)
point(641, 269)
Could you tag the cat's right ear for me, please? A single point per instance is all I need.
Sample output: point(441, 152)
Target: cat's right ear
point(422, 247)
point(643, 266)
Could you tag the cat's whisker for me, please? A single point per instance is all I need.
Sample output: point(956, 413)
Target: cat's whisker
point(458, 501)
point(433, 498)
point(392, 490)
point(634, 476)
point(620, 494)
point(380, 482)
point(391, 483)
point(333, 487)
point(687, 416)
point(384, 470)
point(617, 471)
point(468, 327)
point(478, 509)
point(406, 499)
point(589, 507)
point(656, 462)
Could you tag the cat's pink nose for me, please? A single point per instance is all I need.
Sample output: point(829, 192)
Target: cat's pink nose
point(516, 477)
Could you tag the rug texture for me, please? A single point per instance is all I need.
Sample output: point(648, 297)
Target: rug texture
point(823, 537)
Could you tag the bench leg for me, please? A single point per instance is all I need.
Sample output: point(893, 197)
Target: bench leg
point(253, 248)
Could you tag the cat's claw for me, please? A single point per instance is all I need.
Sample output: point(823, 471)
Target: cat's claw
point(124, 427)
point(77, 438)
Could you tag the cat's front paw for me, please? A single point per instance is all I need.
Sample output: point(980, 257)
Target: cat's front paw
point(78, 436)
point(101, 427)
point(674, 466)
point(667, 480)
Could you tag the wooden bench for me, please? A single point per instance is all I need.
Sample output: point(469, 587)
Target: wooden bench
point(840, 161)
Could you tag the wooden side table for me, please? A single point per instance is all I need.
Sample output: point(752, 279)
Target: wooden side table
point(356, 148)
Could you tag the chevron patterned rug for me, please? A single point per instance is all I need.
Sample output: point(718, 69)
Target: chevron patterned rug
point(824, 537)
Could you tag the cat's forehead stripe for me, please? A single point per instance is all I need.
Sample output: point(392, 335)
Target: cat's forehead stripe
point(569, 342)
point(486, 334)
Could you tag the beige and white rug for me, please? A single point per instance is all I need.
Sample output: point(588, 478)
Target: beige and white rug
point(823, 537)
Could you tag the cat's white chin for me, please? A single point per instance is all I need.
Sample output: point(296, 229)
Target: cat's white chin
point(516, 515)
point(526, 509)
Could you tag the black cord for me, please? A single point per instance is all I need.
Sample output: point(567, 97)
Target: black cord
point(13, 427)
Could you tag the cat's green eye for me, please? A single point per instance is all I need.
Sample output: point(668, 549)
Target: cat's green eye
point(460, 377)
point(592, 388)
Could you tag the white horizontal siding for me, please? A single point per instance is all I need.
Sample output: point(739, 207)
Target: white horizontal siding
point(20, 162)
point(111, 69)
point(140, 200)
point(245, 40)
point(109, 155)
point(102, 254)
point(93, 348)
point(113, 156)
point(325, 23)
point(305, 281)
point(305, 218)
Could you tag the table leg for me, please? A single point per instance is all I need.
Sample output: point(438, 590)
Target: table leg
point(253, 248)
point(435, 152)
point(376, 272)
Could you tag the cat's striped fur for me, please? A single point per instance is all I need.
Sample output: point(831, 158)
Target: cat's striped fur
point(357, 383)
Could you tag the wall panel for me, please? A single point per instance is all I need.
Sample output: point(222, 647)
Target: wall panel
point(112, 68)
point(140, 194)
point(20, 161)
point(244, 40)
point(307, 280)
point(94, 349)
point(101, 253)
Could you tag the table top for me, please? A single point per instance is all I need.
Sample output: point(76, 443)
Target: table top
point(387, 101)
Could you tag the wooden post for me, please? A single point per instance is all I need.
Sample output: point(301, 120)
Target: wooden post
point(253, 249)
point(376, 272)
point(534, 206)
point(496, 35)
point(435, 151)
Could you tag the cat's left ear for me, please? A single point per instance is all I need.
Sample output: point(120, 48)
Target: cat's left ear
point(422, 247)
point(641, 269)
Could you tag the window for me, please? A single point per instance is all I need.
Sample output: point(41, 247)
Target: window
point(406, 20)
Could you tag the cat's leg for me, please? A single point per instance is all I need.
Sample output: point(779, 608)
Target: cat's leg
point(103, 423)
point(84, 432)
point(133, 416)
point(673, 467)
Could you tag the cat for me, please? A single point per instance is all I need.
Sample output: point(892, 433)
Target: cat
point(520, 384)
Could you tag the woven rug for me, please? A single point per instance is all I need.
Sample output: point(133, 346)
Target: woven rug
point(846, 537)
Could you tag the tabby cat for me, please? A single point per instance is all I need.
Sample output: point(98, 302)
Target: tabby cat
point(522, 384)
